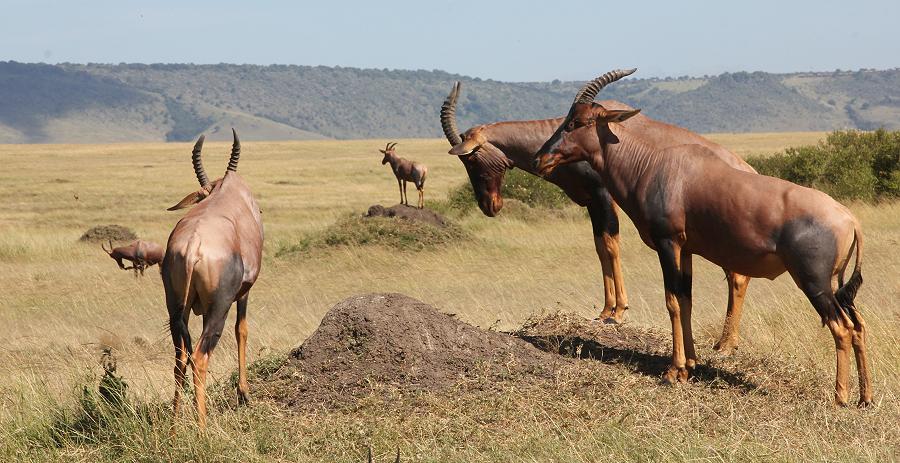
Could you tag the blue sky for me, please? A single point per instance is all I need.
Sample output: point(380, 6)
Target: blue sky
point(510, 41)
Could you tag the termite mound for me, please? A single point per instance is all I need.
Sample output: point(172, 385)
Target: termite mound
point(111, 232)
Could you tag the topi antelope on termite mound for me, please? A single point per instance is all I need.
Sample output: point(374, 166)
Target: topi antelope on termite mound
point(684, 200)
point(405, 171)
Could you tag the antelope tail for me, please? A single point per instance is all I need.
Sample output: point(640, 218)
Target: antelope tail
point(191, 258)
point(846, 294)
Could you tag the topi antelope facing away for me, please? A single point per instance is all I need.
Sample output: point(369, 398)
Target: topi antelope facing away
point(406, 171)
point(212, 260)
point(684, 201)
point(488, 151)
point(141, 254)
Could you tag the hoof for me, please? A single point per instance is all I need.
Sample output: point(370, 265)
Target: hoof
point(864, 404)
point(675, 375)
point(726, 348)
point(610, 321)
point(243, 398)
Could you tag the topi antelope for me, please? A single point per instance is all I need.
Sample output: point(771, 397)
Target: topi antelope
point(405, 171)
point(212, 260)
point(141, 254)
point(489, 150)
point(685, 200)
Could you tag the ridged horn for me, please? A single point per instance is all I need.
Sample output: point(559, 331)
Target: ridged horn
point(390, 146)
point(592, 88)
point(235, 153)
point(448, 116)
point(198, 164)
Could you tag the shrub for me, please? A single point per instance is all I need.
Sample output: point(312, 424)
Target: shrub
point(519, 185)
point(533, 190)
point(847, 165)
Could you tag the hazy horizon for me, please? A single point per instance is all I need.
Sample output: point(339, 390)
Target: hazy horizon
point(516, 42)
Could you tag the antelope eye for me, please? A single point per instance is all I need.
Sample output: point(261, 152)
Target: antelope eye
point(570, 126)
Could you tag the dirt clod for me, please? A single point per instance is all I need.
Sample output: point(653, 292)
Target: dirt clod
point(109, 232)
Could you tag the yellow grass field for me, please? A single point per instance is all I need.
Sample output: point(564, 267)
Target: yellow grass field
point(63, 300)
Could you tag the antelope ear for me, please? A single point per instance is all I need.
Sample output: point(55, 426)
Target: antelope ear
point(383, 151)
point(466, 147)
point(619, 115)
point(188, 200)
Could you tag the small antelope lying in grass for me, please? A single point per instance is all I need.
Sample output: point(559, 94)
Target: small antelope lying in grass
point(141, 254)
point(406, 171)
point(684, 200)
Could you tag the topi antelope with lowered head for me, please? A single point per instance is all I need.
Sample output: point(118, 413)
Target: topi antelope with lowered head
point(685, 200)
point(212, 260)
point(141, 254)
point(405, 171)
point(488, 151)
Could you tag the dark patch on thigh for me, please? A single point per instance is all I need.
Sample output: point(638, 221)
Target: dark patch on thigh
point(809, 250)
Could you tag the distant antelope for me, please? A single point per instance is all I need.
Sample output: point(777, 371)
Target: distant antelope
point(684, 200)
point(141, 254)
point(488, 151)
point(406, 170)
point(212, 260)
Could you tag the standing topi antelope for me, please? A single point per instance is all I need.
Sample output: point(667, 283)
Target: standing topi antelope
point(490, 150)
point(212, 260)
point(141, 254)
point(684, 200)
point(405, 170)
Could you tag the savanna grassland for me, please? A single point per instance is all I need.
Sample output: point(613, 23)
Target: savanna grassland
point(64, 300)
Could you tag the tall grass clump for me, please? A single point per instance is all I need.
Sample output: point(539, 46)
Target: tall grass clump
point(849, 164)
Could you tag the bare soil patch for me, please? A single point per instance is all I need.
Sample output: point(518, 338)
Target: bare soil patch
point(404, 212)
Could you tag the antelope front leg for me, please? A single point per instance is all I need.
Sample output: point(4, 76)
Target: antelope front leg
point(605, 223)
point(400, 187)
point(685, 304)
point(669, 253)
point(737, 289)
point(405, 196)
point(240, 334)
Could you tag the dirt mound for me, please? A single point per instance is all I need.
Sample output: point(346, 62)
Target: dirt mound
point(110, 232)
point(402, 211)
point(397, 341)
point(577, 336)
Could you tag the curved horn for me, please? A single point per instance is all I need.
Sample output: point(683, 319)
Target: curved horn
point(448, 116)
point(390, 146)
point(110, 247)
point(592, 88)
point(198, 164)
point(235, 153)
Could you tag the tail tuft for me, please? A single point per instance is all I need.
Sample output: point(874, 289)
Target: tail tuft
point(846, 294)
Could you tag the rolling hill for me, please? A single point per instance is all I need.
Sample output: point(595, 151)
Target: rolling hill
point(79, 103)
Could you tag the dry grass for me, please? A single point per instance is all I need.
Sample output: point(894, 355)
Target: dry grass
point(64, 299)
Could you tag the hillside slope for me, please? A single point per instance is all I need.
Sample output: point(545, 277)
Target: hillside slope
point(176, 102)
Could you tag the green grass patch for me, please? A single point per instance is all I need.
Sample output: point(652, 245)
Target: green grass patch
point(356, 230)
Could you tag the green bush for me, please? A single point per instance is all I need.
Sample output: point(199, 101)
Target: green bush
point(847, 165)
point(533, 190)
point(519, 185)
